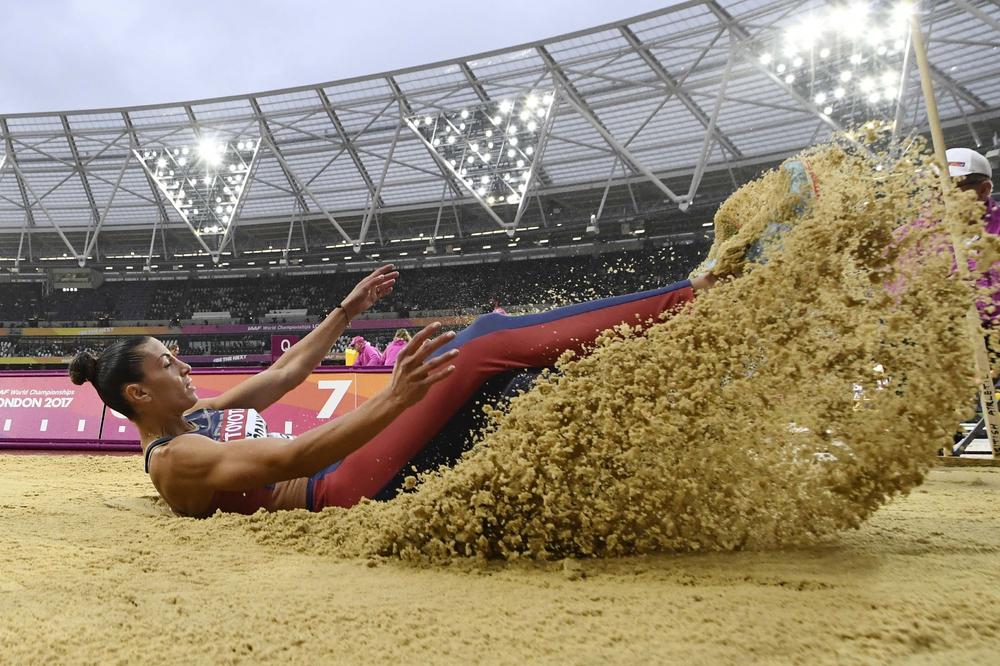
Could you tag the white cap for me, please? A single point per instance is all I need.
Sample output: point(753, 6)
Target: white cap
point(965, 161)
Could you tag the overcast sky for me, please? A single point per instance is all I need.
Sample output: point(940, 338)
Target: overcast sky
point(76, 54)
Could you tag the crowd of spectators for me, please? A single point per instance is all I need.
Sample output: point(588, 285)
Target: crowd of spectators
point(463, 287)
point(453, 289)
point(48, 346)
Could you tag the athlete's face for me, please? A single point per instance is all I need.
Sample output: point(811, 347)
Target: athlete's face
point(166, 385)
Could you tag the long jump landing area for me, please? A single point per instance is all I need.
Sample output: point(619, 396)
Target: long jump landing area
point(95, 570)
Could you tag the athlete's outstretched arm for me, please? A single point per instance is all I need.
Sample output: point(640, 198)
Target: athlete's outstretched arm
point(294, 366)
point(196, 461)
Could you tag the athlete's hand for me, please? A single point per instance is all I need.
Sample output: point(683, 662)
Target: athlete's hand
point(414, 374)
point(370, 291)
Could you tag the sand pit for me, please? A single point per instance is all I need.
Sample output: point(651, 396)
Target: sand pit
point(92, 572)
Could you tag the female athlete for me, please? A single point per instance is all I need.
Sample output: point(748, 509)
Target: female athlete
point(354, 456)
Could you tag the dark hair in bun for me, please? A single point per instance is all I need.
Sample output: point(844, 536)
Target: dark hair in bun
point(119, 364)
point(83, 368)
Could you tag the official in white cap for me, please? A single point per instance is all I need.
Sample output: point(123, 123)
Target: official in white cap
point(972, 171)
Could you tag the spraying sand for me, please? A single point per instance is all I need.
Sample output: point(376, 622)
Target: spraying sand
point(731, 425)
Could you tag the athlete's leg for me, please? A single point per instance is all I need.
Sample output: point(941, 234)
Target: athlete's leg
point(492, 344)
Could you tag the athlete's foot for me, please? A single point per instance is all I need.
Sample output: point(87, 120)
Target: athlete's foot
point(704, 282)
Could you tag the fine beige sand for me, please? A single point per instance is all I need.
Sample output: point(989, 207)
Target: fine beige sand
point(92, 570)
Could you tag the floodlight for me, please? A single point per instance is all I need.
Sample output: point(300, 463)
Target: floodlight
point(470, 144)
point(874, 36)
point(209, 152)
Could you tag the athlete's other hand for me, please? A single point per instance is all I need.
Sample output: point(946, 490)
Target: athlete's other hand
point(414, 374)
point(370, 290)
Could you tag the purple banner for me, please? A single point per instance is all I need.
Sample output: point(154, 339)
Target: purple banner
point(221, 359)
point(281, 343)
point(43, 410)
point(356, 325)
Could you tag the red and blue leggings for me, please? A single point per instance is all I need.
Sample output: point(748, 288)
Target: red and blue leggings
point(493, 344)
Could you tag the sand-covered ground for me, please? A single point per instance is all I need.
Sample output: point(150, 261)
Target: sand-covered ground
point(93, 571)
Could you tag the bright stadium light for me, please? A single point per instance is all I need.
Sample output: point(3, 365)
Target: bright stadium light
point(195, 186)
point(843, 56)
point(208, 151)
point(490, 149)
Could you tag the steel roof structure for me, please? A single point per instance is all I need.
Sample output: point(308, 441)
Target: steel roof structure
point(664, 112)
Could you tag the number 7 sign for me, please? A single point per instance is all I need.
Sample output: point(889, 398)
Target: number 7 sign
point(338, 389)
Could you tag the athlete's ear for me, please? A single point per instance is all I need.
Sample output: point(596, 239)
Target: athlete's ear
point(136, 394)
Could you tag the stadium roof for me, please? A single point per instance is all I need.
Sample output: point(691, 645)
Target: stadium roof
point(664, 112)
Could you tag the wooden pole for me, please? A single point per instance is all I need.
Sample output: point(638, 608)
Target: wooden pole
point(987, 396)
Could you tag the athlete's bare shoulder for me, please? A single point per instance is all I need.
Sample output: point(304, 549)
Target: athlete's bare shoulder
point(177, 470)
